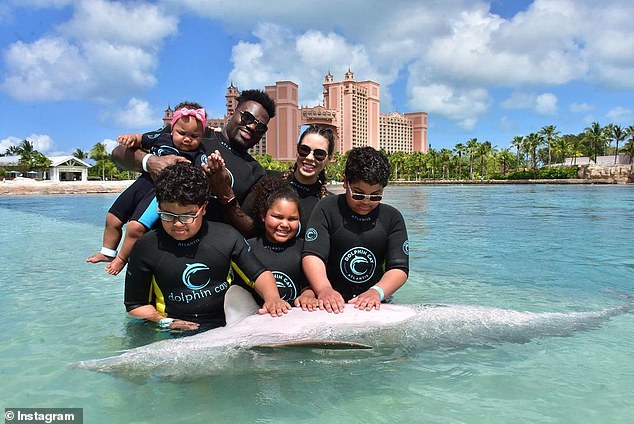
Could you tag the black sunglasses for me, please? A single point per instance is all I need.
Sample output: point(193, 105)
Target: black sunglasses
point(247, 118)
point(304, 150)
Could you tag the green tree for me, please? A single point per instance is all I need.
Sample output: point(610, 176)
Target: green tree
point(98, 154)
point(518, 143)
point(550, 135)
point(531, 144)
point(472, 149)
point(460, 150)
point(80, 154)
point(31, 159)
point(629, 146)
point(618, 135)
point(594, 139)
point(484, 150)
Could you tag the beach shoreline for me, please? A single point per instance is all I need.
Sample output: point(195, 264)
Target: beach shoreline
point(27, 186)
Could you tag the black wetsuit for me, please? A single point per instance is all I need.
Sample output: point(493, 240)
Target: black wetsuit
point(138, 202)
point(356, 249)
point(285, 261)
point(308, 198)
point(188, 279)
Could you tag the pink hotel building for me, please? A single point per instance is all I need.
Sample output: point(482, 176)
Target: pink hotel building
point(350, 109)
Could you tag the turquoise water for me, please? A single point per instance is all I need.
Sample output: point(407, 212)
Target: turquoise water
point(534, 248)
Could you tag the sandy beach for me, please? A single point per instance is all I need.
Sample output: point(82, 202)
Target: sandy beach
point(27, 186)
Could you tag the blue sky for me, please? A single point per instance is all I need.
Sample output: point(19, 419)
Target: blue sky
point(77, 72)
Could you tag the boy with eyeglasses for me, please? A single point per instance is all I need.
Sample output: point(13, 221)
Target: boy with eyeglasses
point(179, 273)
point(356, 248)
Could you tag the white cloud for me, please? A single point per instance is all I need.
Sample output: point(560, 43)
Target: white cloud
point(109, 144)
point(620, 115)
point(5, 143)
point(546, 104)
point(101, 53)
point(462, 106)
point(304, 58)
point(41, 142)
point(580, 107)
point(542, 104)
point(136, 114)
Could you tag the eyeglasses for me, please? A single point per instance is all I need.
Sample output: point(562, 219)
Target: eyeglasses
point(361, 196)
point(183, 218)
point(247, 118)
point(319, 154)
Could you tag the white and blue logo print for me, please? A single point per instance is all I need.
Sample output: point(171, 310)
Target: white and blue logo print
point(311, 234)
point(191, 280)
point(357, 265)
point(406, 247)
point(285, 285)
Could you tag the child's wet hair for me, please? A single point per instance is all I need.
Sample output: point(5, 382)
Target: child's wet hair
point(182, 183)
point(368, 165)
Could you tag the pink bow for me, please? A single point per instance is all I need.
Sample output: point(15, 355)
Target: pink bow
point(199, 114)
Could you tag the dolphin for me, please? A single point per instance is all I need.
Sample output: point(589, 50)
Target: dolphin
point(393, 328)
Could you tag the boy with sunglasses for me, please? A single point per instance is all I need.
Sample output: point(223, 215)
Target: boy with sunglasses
point(179, 273)
point(356, 248)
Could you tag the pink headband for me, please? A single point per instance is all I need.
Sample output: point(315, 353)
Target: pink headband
point(199, 114)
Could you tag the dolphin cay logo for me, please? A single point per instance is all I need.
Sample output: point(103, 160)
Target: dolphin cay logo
point(311, 234)
point(406, 247)
point(285, 285)
point(189, 278)
point(357, 265)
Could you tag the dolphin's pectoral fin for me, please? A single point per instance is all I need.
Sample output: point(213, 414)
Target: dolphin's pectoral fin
point(315, 344)
point(239, 304)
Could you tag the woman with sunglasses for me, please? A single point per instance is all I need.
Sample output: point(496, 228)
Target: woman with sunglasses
point(356, 248)
point(307, 176)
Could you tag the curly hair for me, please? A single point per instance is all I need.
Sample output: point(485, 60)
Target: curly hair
point(268, 190)
point(368, 165)
point(260, 97)
point(326, 133)
point(182, 183)
point(188, 105)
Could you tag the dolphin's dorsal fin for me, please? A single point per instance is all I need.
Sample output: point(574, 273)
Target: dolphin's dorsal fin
point(239, 304)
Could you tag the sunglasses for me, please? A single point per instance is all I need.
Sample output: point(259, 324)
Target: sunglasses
point(304, 150)
point(247, 118)
point(184, 218)
point(361, 196)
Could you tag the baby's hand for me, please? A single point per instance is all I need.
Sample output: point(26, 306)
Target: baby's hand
point(129, 140)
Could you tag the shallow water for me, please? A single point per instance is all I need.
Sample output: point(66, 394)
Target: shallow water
point(534, 248)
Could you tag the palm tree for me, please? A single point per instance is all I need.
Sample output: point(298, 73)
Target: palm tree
point(549, 134)
point(472, 148)
point(80, 154)
point(505, 157)
point(629, 146)
point(98, 154)
point(595, 138)
point(484, 149)
point(518, 142)
point(12, 151)
point(531, 142)
point(460, 150)
point(618, 135)
point(31, 159)
point(445, 160)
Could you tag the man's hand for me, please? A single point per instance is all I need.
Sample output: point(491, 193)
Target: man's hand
point(156, 164)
